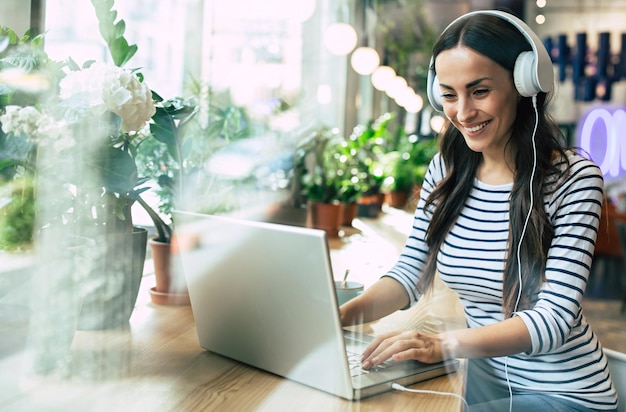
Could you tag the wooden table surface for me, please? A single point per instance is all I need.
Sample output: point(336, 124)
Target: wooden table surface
point(157, 364)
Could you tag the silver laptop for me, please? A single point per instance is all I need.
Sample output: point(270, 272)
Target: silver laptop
point(263, 294)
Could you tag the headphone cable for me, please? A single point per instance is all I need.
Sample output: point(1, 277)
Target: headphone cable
point(519, 245)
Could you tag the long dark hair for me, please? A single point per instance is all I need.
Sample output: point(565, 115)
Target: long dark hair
point(500, 41)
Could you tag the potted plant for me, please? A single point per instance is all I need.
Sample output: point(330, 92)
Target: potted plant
point(405, 167)
point(329, 176)
point(369, 141)
point(186, 133)
point(85, 175)
point(166, 128)
point(421, 154)
point(167, 122)
point(399, 178)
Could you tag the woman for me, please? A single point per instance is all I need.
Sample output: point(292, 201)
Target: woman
point(517, 254)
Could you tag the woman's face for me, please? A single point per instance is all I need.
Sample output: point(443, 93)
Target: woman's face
point(479, 98)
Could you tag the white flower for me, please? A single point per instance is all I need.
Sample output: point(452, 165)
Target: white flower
point(57, 134)
point(20, 120)
point(38, 127)
point(108, 87)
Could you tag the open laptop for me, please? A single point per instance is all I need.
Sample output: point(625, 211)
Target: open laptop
point(264, 294)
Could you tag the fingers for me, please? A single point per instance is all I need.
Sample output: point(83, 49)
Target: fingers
point(399, 346)
point(375, 345)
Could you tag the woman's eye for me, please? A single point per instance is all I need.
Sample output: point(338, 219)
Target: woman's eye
point(448, 96)
point(481, 92)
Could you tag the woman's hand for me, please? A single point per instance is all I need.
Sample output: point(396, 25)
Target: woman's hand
point(402, 345)
point(503, 338)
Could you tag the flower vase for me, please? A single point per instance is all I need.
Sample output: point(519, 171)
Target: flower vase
point(110, 292)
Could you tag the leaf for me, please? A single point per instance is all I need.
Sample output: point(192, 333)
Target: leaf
point(187, 148)
point(156, 97)
point(120, 27)
point(72, 65)
point(118, 170)
point(5, 95)
point(5, 31)
point(113, 32)
point(163, 128)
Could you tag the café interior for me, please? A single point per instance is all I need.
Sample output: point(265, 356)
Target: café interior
point(250, 95)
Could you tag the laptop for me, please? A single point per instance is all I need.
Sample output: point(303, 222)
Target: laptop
point(264, 294)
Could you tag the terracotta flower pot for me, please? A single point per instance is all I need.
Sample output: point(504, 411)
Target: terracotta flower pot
point(171, 288)
point(325, 216)
point(397, 199)
point(349, 213)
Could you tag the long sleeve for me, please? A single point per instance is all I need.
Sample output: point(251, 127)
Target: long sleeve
point(574, 209)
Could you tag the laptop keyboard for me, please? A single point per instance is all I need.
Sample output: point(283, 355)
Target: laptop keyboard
point(354, 362)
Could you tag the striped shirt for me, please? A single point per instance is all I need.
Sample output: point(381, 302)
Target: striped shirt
point(566, 358)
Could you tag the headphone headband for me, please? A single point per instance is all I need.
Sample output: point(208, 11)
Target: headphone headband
point(533, 71)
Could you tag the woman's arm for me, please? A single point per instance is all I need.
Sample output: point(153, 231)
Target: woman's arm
point(381, 299)
point(575, 206)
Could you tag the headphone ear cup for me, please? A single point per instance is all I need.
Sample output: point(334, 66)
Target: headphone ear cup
point(432, 87)
point(524, 73)
point(434, 95)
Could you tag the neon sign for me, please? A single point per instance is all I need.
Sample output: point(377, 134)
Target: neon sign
point(603, 136)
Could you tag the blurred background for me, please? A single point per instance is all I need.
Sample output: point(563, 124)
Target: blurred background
point(295, 102)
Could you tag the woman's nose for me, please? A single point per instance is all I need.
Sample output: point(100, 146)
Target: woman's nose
point(465, 109)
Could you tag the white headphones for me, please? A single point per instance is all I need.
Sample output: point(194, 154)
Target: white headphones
point(533, 72)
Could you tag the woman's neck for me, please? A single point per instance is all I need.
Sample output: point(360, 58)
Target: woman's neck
point(495, 171)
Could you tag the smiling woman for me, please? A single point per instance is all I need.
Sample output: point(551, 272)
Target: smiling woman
point(507, 218)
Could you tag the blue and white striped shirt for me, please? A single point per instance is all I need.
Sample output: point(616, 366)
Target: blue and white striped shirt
point(566, 358)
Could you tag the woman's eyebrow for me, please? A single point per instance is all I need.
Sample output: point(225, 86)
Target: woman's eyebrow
point(468, 85)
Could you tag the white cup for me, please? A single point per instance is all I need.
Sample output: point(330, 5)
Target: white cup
point(347, 291)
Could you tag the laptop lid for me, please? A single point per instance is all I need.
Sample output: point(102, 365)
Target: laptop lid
point(263, 294)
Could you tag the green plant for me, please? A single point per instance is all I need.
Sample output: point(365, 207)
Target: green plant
point(399, 172)
point(17, 215)
point(26, 76)
point(112, 32)
point(187, 132)
point(328, 170)
point(421, 154)
point(369, 143)
point(405, 167)
point(167, 127)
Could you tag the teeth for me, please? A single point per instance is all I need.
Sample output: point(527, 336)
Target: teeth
point(476, 128)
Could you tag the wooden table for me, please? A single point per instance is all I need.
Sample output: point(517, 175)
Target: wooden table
point(156, 364)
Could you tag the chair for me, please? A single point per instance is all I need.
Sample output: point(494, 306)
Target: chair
point(617, 366)
point(605, 278)
point(621, 229)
